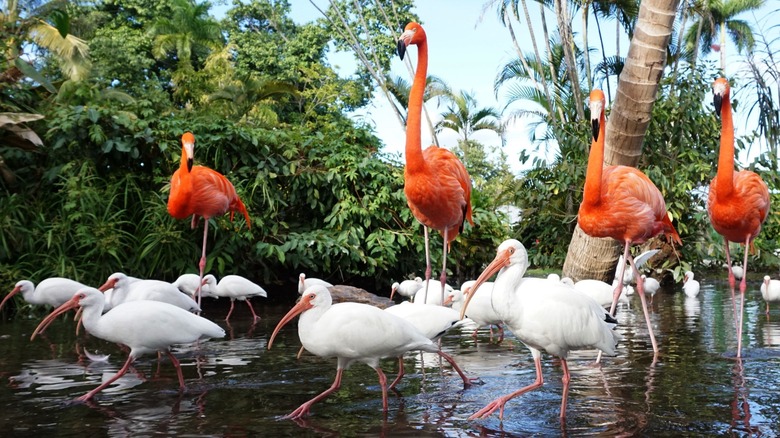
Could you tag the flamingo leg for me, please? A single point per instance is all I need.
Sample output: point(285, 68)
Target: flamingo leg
point(443, 276)
point(742, 288)
point(400, 373)
point(232, 303)
point(500, 333)
point(618, 288)
point(252, 309)
point(427, 262)
point(177, 365)
point(565, 379)
point(383, 384)
point(202, 262)
point(466, 381)
point(119, 374)
point(304, 408)
point(640, 289)
point(732, 284)
point(501, 401)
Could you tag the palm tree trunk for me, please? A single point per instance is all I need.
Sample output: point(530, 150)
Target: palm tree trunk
point(627, 125)
point(567, 41)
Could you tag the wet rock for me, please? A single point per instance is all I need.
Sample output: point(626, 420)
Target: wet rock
point(343, 293)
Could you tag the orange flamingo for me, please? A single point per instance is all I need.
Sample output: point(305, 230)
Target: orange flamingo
point(201, 192)
point(622, 203)
point(436, 183)
point(738, 202)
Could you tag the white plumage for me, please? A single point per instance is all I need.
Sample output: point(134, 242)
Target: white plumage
point(770, 291)
point(651, 286)
point(434, 293)
point(480, 307)
point(235, 287)
point(690, 286)
point(305, 283)
point(600, 291)
point(126, 290)
point(51, 292)
point(406, 288)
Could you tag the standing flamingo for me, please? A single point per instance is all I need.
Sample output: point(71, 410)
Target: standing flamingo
point(436, 183)
point(352, 332)
point(622, 203)
point(235, 287)
point(543, 315)
point(738, 202)
point(198, 191)
point(143, 326)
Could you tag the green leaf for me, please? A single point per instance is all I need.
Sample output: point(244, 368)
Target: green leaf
point(33, 74)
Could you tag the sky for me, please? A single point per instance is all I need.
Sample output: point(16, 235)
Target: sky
point(467, 49)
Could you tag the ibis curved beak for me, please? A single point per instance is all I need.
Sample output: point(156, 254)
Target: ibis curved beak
point(10, 294)
point(70, 304)
point(107, 285)
point(303, 305)
point(501, 261)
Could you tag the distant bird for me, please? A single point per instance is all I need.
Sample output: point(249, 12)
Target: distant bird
point(622, 203)
point(305, 283)
point(198, 191)
point(690, 286)
point(432, 321)
point(481, 309)
point(738, 202)
point(737, 271)
point(351, 332)
point(436, 183)
point(406, 288)
point(125, 290)
point(651, 286)
point(143, 326)
point(52, 291)
point(543, 316)
point(770, 291)
point(189, 283)
point(432, 298)
point(235, 287)
point(601, 292)
point(639, 261)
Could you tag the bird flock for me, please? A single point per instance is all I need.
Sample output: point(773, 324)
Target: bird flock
point(553, 315)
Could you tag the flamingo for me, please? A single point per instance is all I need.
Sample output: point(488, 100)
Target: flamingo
point(600, 291)
point(52, 291)
point(770, 291)
point(436, 183)
point(124, 290)
point(143, 326)
point(543, 315)
point(198, 191)
point(622, 203)
point(690, 286)
point(433, 321)
point(352, 332)
point(738, 202)
point(235, 287)
point(481, 308)
point(406, 288)
point(651, 286)
point(305, 283)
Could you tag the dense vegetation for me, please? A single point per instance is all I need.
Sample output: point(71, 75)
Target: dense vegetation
point(91, 127)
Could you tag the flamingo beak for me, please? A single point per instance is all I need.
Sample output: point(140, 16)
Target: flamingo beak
point(303, 305)
point(717, 100)
point(401, 48)
point(8, 297)
point(70, 304)
point(595, 127)
point(501, 261)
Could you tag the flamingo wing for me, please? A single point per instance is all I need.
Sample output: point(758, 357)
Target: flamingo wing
point(743, 211)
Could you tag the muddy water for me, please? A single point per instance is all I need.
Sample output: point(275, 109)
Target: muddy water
point(237, 387)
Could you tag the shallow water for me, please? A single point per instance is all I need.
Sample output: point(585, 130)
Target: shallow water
point(237, 387)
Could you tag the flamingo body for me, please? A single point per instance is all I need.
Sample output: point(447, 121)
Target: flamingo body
point(143, 326)
point(52, 291)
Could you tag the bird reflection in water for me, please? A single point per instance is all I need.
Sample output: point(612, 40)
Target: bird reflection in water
point(740, 406)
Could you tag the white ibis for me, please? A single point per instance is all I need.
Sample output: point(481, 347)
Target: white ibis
point(737, 271)
point(639, 261)
point(143, 326)
point(188, 284)
point(651, 286)
point(235, 287)
point(770, 291)
point(422, 297)
point(305, 283)
point(543, 316)
point(432, 321)
point(600, 291)
point(153, 290)
point(690, 286)
point(480, 308)
point(351, 332)
point(406, 288)
point(52, 291)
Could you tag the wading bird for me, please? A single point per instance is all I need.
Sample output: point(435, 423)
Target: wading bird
point(544, 316)
point(690, 286)
point(52, 291)
point(622, 203)
point(143, 326)
point(738, 202)
point(770, 291)
point(198, 191)
point(436, 183)
point(235, 287)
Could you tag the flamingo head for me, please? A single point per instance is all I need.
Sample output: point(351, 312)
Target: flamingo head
point(84, 297)
point(188, 146)
point(312, 297)
point(510, 252)
point(720, 92)
point(393, 288)
point(413, 34)
point(23, 286)
point(597, 104)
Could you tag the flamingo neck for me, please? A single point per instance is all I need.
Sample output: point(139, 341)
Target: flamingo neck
point(414, 156)
point(592, 189)
point(725, 175)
